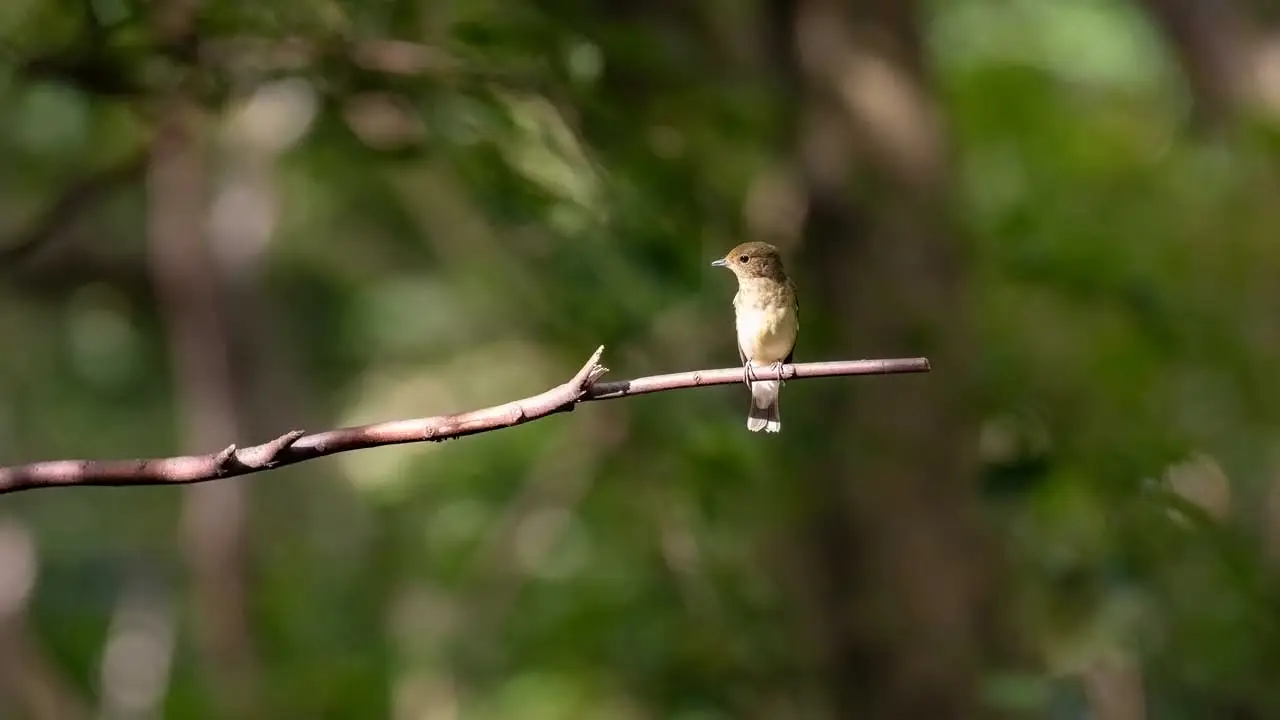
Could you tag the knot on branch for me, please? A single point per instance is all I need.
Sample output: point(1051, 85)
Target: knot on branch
point(236, 461)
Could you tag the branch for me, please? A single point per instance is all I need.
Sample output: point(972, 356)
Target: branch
point(297, 446)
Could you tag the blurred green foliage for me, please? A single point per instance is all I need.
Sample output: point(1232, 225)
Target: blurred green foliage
point(559, 184)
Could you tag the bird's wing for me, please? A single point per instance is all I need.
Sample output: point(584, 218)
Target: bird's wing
point(795, 304)
point(742, 356)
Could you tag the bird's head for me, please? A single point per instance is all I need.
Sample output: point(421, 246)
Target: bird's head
point(753, 260)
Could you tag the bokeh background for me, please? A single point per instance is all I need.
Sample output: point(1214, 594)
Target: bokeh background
point(223, 219)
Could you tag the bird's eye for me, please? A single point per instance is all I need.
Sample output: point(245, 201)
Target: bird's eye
point(743, 259)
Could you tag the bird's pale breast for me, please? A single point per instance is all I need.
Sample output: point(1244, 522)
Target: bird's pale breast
point(766, 324)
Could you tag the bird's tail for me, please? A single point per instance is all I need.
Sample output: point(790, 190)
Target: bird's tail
point(764, 414)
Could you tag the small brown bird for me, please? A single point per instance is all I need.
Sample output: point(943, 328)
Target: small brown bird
point(768, 319)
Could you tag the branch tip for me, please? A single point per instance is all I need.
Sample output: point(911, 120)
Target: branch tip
point(282, 443)
point(224, 458)
point(261, 456)
point(591, 371)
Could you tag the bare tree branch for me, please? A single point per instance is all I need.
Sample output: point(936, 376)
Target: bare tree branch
point(297, 446)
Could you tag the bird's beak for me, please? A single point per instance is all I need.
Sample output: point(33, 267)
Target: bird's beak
point(718, 263)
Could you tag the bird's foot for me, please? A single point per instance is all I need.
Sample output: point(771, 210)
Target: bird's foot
point(749, 374)
point(777, 367)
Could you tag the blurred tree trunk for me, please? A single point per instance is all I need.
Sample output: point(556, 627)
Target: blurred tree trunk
point(214, 514)
point(1114, 691)
point(193, 299)
point(1213, 45)
point(897, 576)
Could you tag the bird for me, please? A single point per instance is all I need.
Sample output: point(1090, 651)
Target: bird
point(767, 319)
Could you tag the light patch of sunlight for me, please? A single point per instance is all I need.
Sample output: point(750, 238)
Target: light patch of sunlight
point(488, 375)
point(18, 568)
point(535, 695)
point(138, 654)
point(383, 121)
point(101, 338)
point(1092, 41)
point(274, 118)
point(1266, 76)
point(1201, 481)
point(898, 117)
point(425, 695)
point(419, 617)
point(546, 151)
point(585, 61)
point(551, 544)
